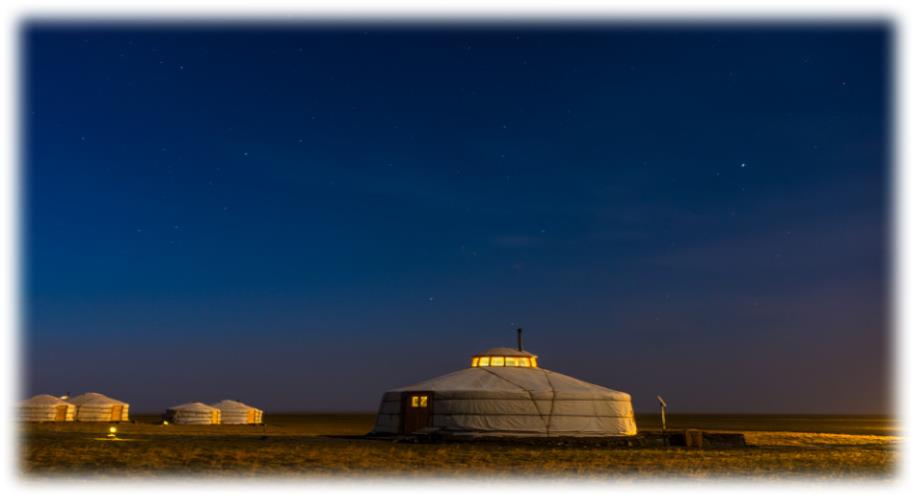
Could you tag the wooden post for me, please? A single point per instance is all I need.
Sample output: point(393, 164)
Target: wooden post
point(662, 413)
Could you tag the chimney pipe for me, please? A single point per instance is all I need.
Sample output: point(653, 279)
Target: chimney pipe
point(520, 339)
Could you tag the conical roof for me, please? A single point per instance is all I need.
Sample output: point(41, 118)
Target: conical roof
point(232, 405)
point(95, 399)
point(43, 400)
point(193, 407)
point(526, 381)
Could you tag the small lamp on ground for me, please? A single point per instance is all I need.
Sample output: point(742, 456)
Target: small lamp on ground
point(112, 432)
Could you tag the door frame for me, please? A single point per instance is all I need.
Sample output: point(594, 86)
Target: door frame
point(404, 406)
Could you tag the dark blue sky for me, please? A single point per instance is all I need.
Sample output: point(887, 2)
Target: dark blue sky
point(301, 216)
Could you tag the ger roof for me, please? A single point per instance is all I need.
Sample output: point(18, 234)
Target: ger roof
point(523, 381)
point(195, 406)
point(96, 398)
point(229, 404)
point(44, 399)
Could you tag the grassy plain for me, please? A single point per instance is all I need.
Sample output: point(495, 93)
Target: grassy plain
point(784, 447)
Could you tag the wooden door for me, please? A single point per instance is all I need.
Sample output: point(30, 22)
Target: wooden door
point(116, 411)
point(416, 411)
point(60, 414)
point(251, 414)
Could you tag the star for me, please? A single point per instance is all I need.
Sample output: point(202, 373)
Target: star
point(743, 165)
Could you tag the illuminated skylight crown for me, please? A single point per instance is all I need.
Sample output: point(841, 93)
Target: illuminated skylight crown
point(504, 357)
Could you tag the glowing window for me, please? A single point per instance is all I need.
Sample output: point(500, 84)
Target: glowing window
point(414, 402)
point(503, 361)
point(423, 402)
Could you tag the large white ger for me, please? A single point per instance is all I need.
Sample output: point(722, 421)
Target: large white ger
point(505, 393)
point(96, 407)
point(236, 412)
point(46, 408)
point(193, 413)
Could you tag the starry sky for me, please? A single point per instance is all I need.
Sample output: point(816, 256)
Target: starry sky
point(301, 216)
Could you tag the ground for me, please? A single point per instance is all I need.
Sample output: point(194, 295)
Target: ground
point(783, 447)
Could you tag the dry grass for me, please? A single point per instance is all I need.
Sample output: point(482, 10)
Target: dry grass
point(294, 446)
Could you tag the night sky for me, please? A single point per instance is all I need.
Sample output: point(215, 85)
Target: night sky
point(302, 216)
